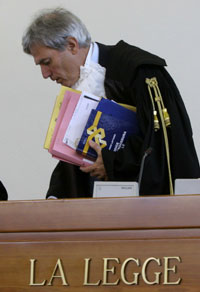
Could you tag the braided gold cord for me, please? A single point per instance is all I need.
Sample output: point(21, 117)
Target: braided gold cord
point(164, 117)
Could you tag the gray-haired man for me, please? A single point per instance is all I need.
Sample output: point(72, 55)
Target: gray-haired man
point(60, 43)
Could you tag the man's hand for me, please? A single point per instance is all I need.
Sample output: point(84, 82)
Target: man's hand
point(97, 169)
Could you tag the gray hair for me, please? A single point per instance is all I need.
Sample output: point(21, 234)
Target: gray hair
point(52, 27)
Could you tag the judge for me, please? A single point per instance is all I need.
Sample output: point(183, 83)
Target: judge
point(61, 45)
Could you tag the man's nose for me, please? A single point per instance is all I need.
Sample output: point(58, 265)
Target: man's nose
point(45, 71)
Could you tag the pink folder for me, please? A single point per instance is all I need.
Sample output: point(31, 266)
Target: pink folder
point(57, 148)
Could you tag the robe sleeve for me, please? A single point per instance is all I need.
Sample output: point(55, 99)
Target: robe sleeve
point(67, 181)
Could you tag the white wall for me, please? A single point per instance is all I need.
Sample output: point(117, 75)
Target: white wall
point(167, 28)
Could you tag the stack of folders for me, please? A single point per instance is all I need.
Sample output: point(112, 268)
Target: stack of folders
point(79, 117)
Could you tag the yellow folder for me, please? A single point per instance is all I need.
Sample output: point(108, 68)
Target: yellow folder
point(54, 115)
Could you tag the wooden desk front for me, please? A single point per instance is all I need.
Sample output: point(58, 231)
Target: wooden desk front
point(110, 244)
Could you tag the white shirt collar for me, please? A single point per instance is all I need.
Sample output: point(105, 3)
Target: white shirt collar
point(93, 54)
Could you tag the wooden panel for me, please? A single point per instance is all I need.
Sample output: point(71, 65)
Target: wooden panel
point(100, 229)
point(107, 213)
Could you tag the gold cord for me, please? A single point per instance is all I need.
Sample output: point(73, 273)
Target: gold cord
point(155, 117)
point(165, 120)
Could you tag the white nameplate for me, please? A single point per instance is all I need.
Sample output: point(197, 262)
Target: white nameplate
point(115, 189)
point(187, 186)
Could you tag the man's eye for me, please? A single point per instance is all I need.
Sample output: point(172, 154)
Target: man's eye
point(46, 62)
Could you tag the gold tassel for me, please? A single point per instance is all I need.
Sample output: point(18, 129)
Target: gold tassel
point(165, 120)
point(166, 117)
point(156, 121)
point(153, 83)
point(155, 117)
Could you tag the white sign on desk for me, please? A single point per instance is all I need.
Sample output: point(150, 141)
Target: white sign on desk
point(187, 186)
point(115, 189)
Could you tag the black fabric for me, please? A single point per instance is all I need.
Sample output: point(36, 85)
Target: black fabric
point(3, 192)
point(67, 181)
point(127, 67)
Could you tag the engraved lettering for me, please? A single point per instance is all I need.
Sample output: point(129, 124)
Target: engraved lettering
point(106, 270)
point(129, 272)
point(32, 275)
point(59, 267)
point(136, 275)
point(86, 274)
point(144, 268)
point(167, 269)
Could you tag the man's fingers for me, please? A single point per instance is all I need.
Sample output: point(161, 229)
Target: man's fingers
point(97, 169)
point(95, 146)
point(86, 168)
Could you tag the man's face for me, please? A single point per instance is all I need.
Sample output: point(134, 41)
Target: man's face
point(61, 66)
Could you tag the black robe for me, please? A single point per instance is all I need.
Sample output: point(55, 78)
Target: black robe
point(127, 67)
point(3, 192)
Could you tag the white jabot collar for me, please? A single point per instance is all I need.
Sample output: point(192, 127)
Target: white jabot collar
point(92, 74)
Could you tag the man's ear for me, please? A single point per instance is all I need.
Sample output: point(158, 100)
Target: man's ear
point(72, 45)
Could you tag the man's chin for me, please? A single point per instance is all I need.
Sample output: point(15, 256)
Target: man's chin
point(65, 83)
